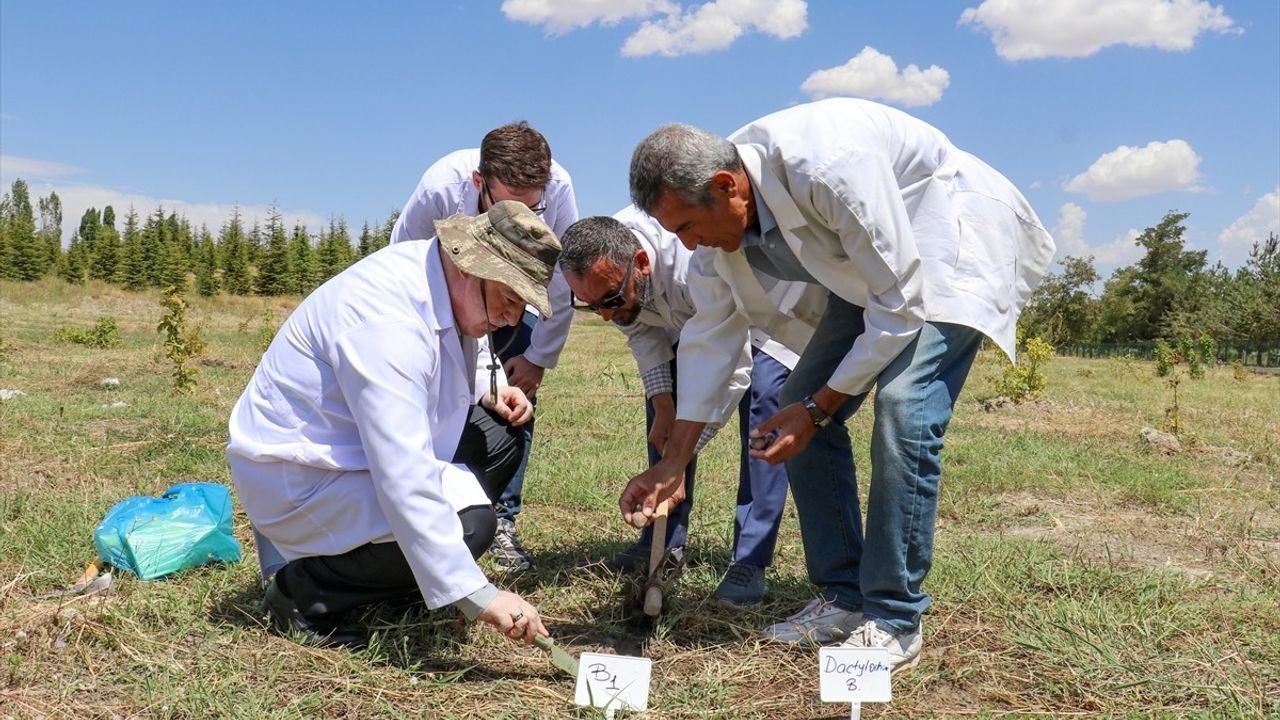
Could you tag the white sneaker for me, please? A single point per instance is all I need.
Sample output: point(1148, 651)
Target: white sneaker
point(904, 649)
point(820, 622)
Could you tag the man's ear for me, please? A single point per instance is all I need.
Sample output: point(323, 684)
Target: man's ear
point(643, 265)
point(724, 182)
point(477, 179)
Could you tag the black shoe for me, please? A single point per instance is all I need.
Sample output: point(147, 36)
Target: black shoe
point(286, 618)
point(635, 558)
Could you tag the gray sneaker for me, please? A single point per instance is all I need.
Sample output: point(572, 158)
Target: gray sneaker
point(743, 586)
point(904, 648)
point(508, 554)
point(821, 622)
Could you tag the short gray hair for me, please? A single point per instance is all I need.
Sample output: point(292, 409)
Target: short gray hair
point(592, 238)
point(680, 158)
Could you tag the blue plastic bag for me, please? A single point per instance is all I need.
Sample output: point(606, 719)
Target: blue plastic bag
point(151, 537)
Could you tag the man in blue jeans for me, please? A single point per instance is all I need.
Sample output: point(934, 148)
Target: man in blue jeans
point(925, 250)
point(633, 273)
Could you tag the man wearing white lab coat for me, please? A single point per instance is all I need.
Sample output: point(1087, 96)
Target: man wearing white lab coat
point(925, 250)
point(513, 162)
point(633, 273)
point(358, 448)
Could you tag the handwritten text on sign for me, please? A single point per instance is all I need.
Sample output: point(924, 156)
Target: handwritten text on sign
point(854, 674)
point(613, 681)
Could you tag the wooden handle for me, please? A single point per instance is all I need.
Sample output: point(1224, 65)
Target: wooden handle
point(657, 549)
point(658, 546)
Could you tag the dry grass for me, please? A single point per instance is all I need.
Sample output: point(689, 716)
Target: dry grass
point(1076, 574)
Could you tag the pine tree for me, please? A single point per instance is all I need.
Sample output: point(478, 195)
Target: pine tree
point(73, 265)
point(49, 237)
point(132, 266)
point(8, 271)
point(206, 265)
point(303, 272)
point(334, 252)
point(175, 254)
point(365, 246)
point(28, 260)
point(109, 217)
point(105, 258)
point(234, 248)
point(273, 269)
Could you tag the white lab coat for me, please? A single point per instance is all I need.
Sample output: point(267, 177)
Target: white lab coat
point(882, 210)
point(446, 189)
point(346, 430)
point(652, 335)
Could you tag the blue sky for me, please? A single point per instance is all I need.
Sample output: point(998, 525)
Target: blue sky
point(1107, 113)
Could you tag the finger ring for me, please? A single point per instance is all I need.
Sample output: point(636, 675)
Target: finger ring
point(517, 617)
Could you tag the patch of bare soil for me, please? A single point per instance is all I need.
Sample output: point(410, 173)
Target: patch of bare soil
point(1197, 546)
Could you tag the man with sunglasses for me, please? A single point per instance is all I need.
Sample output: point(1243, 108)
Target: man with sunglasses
point(632, 272)
point(513, 162)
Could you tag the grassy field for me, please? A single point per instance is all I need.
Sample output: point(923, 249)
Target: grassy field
point(1077, 574)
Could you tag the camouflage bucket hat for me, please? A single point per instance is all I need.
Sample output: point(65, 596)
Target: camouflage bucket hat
point(508, 244)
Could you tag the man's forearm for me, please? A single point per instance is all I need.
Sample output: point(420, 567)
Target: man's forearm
point(683, 442)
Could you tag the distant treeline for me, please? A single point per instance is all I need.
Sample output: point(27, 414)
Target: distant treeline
point(165, 250)
point(1170, 293)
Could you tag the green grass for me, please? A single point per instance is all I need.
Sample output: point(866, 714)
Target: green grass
point(1076, 574)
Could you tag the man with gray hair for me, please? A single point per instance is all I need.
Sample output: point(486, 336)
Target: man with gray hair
point(633, 273)
point(925, 250)
point(374, 435)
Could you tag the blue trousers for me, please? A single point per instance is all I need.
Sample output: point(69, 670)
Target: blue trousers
point(509, 342)
point(880, 572)
point(762, 488)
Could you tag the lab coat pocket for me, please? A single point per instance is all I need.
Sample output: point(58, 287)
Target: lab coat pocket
point(986, 258)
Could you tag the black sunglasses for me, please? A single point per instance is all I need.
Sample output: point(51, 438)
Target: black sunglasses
point(614, 299)
point(538, 209)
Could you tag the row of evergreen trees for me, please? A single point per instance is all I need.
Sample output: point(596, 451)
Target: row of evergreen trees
point(165, 250)
point(1170, 293)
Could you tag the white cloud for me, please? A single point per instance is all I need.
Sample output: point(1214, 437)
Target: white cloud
point(1123, 250)
point(872, 74)
point(560, 16)
point(1253, 227)
point(12, 166)
point(1070, 238)
point(715, 26)
point(1068, 234)
point(1030, 29)
point(1129, 172)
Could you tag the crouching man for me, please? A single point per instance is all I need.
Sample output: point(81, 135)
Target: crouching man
point(359, 450)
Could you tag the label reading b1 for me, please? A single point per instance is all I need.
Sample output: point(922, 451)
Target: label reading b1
point(855, 675)
point(613, 682)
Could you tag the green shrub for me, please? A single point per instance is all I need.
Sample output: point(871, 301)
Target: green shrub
point(105, 334)
point(1026, 380)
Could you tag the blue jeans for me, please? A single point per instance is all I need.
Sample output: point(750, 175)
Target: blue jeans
point(881, 572)
point(509, 342)
point(762, 488)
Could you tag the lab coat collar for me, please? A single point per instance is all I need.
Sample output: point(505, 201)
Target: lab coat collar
point(770, 188)
point(441, 315)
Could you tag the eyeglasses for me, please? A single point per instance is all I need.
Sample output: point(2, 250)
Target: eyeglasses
point(613, 300)
point(538, 209)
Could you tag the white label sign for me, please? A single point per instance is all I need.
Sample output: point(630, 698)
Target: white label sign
point(855, 675)
point(613, 682)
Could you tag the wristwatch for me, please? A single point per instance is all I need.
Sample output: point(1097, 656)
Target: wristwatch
point(819, 418)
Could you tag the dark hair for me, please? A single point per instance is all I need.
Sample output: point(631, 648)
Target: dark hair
point(682, 159)
point(517, 155)
point(592, 238)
